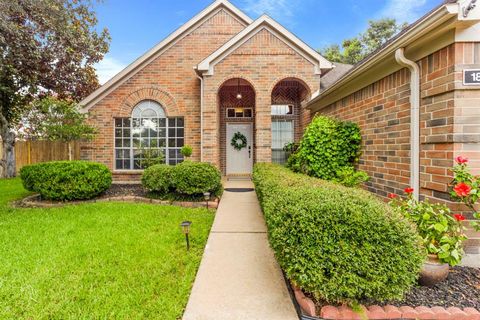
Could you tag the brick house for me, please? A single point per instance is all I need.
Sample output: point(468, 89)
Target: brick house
point(416, 107)
point(218, 75)
point(222, 75)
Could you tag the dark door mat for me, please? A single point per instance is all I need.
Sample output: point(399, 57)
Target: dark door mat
point(239, 190)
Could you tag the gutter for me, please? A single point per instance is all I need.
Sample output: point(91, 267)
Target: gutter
point(415, 118)
point(202, 89)
point(416, 31)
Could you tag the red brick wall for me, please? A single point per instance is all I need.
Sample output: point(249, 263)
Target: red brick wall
point(170, 80)
point(263, 61)
point(450, 124)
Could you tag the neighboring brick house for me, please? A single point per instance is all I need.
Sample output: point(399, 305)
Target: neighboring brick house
point(398, 150)
point(219, 74)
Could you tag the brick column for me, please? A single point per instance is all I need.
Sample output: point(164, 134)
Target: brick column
point(210, 135)
point(263, 127)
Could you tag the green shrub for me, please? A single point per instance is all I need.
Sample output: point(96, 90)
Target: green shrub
point(186, 151)
point(66, 180)
point(158, 178)
point(327, 147)
point(339, 244)
point(349, 177)
point(196, 178)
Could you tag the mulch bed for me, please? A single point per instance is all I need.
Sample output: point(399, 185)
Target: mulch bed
point(461, 289)
point(126, 192)
point(121, 190)
point(137, 190)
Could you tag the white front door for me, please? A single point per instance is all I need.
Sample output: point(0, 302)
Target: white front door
point(239, 161)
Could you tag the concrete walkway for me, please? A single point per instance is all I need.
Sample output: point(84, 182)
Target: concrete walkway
point(239, 277)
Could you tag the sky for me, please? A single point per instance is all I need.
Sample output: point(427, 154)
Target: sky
point(137, 25)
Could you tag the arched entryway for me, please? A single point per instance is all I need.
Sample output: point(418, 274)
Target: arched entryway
point(288, 95)
point(237, 122)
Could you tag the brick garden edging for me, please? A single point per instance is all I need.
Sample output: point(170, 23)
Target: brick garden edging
point(383, 313)
point(34, 201)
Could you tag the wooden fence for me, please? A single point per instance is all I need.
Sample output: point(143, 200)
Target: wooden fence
point(30, 152)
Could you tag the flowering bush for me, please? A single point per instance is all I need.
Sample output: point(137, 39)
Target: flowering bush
point(466, 188)
point(442, 232)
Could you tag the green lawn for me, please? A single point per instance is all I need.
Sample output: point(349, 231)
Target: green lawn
point(96, 261)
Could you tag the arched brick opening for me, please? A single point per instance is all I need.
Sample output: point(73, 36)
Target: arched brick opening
point(287, 95)
point(236, 105)
point(150, 93)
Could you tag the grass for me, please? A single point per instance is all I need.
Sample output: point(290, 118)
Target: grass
point(96, 261)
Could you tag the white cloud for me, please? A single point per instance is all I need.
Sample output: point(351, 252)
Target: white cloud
point(107, 68)
point(403, 10)
point(278, 9)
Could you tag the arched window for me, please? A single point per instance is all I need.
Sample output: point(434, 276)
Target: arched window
point(148, 138)
point(148, 109)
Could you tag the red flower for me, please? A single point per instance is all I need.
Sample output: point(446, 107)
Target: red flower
point(409, 190)
point(462, 189)
point(461, 160)
point(459, 217)
point(392, 196)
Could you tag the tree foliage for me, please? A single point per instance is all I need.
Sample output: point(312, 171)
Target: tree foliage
point(356, 49)
point(53, 119)
point(46, 46)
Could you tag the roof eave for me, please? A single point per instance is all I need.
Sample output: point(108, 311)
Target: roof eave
point(206, 66)
point(436, 17)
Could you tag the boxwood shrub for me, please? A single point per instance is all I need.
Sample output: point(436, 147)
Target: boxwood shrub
point(339, 244)
point(66, 180)
point(193, 178)
point(158, 179)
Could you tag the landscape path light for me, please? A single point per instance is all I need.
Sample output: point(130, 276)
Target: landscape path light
point(186, 231)
point(206, 196)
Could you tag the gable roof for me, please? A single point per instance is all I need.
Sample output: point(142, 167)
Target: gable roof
point(150, 55)
point(264, 22)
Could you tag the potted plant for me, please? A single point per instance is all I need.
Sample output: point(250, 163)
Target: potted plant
point(466, 188)
point(186, 151)
point(441, 232)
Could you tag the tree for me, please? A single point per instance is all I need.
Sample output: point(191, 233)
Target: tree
point(46, 46)
point(356, 49)
point(58, 120)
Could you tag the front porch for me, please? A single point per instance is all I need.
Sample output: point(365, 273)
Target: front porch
point(260, 127)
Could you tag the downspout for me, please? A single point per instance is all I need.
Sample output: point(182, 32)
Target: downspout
point(201, 115)
point(415, 118)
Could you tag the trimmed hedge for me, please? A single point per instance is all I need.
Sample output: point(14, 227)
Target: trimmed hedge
point(66, 180)
point(339, 244)
point(158, 179)
point(193, 178)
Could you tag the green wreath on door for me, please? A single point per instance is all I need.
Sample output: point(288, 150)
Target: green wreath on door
point(239, 141)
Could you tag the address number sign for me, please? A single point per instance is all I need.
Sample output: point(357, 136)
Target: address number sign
point(471, 77)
